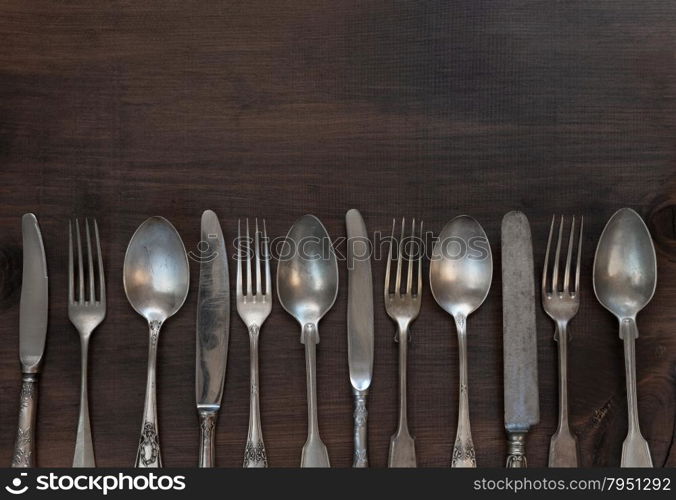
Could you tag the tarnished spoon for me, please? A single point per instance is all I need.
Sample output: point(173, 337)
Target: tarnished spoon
point(307, 285)
point(625, 276)
point(461, 271)
point(156, 281)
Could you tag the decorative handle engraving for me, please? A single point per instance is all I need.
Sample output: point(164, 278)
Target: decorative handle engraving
point(463, 450)
point(207, 438)
point(360, 419)
point(148, 454)
point(24, 446)
point(254, 454)
point(516, 452)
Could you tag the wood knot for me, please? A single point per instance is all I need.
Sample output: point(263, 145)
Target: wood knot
point(661, 221)
point(10, 275)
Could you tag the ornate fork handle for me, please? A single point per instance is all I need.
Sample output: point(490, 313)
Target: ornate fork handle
point(24, 447)
point(254, 454)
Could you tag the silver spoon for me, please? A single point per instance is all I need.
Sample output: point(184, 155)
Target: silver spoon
point(461, 271)
point(625, 276)
point(156, 280)
point(307, 285)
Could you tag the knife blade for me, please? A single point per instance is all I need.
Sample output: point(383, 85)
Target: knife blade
point(33, 312)
point(213, 331)
point(522, 406)
point(359, 327)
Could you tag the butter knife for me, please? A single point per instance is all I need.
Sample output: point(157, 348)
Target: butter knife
point(522, 406)
point(359, 327)
point(213, 331)
point(32, 336)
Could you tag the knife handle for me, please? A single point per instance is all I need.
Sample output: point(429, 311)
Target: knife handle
point(24, 446)
point(148, 453)
point(516, 452)
point(207, 442)
point(361, 459)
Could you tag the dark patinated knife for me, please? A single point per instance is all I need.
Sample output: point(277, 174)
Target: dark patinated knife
point(522, 405)
point(32, 336)
point(213, 332)
point(359, 327)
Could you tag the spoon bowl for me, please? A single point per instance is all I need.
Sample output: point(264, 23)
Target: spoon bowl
point(461, 269)
point(156, 271)
point(625, 266)
point(307, 274)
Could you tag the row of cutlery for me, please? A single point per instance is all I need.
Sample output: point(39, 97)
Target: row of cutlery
point(156, 279)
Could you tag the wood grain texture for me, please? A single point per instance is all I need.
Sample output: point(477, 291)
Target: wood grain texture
point(122, 110)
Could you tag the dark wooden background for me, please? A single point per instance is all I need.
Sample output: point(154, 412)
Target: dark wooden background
point(122, 110)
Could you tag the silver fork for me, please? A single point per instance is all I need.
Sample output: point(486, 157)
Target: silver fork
point(254, 308)
point(561, 303)
point(403, 308)
point(86, 313)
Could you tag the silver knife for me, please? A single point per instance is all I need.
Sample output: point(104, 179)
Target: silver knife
point(359, 327)
point(32, 336)
point(213, 332)
point(522, 405)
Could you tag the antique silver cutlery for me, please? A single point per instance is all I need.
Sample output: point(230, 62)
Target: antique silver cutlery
point(625, 277)
point(254, 306)
point(461, 271)
point(32, 336)
point(359, 327)
point(307, 286)
point(561, 302)
point(522, 404)
point(213, 333)
point(86, 312)
point(403, 305)
point(156, 282)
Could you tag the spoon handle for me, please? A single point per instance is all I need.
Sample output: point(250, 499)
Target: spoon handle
point(254, 453)
point(463, 450)
point(314, 453)
point(635, 451)
point(148, 454)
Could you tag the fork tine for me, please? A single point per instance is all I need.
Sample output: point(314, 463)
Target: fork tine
point(268, 280)
point(579, 253)
point(555, 275)
point(397, 279)
point(420, 260)
point(409, 277)
point(248, 259)
point(102, 278)
point(90, 263)
point(258, 261)
point(80, 267)
point(566, 274)
point(546, 267)
point(71, 271)
point(239, 258)
point(389, 264)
